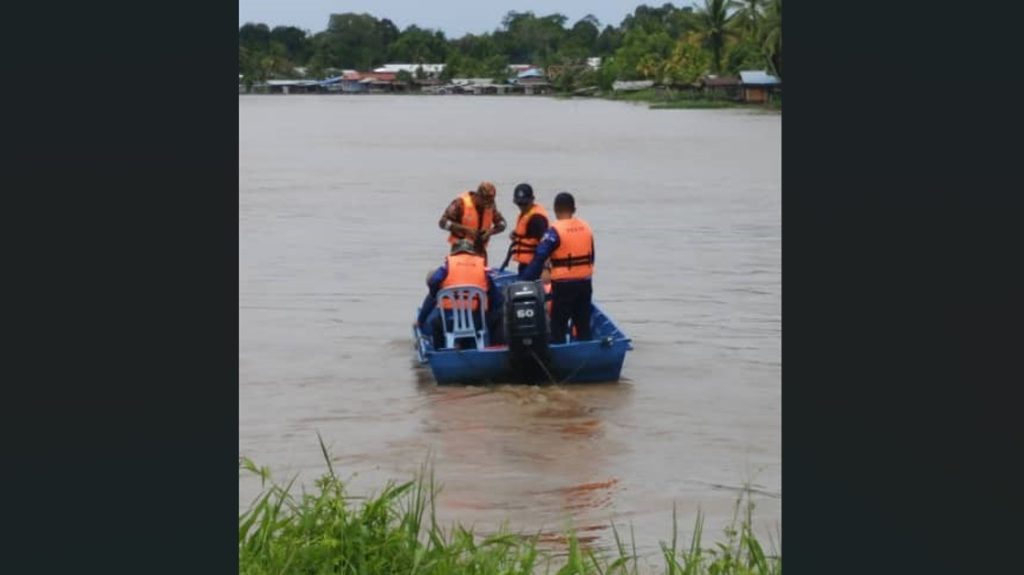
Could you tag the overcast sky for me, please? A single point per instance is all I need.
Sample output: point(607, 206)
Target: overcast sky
point(455, 17)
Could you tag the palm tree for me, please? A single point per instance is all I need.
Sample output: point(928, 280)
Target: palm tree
point(750, 15)
point(771, 33)
point(650, 66)
point(714, 23)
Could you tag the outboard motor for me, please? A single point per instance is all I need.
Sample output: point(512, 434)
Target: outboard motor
point(526, 329)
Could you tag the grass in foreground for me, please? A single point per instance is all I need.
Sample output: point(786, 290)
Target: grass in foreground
point(330, 531)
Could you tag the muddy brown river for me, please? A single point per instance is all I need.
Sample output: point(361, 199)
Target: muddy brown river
point(339, 198)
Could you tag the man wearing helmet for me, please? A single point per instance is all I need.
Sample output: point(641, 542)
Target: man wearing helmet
point(463, 266)
point(530, 226)
point(473, 216)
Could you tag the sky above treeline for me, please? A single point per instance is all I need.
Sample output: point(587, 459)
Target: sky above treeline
point(454, 17)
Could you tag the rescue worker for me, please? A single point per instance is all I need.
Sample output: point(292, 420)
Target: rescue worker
point(462, 267)
point(473, 216)
point(530, 226)
point(569, 244)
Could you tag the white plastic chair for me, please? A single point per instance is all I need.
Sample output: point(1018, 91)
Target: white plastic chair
point(462, 312)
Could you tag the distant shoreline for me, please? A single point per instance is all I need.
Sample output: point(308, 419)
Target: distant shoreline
point(655, 100)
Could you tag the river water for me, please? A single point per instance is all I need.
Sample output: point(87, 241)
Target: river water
point(339, 198)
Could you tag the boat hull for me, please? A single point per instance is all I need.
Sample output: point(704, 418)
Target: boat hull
point(597, 360)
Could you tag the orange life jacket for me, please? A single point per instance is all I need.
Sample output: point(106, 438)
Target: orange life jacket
point(470, 219)
point(574, 258)
point(524, 247)
point(465, 269)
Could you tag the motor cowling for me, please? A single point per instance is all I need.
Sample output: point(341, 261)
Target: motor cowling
point(526, 328)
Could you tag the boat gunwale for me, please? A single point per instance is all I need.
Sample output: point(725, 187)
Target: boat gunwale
point(616, 341)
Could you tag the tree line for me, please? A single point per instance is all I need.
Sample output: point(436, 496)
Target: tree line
point(668, 44)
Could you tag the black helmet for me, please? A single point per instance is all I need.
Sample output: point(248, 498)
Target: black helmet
point(564, 200)
point(523, 194)
point(462, 245)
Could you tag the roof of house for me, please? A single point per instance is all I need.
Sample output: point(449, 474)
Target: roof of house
point(411, 68)
point(619, 85)
point(292, 82)
point(354, 76)
point(471, 81)
point(758, 78)
point(717, 81)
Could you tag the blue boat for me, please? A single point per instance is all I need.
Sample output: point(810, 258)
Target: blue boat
point(599, 359)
